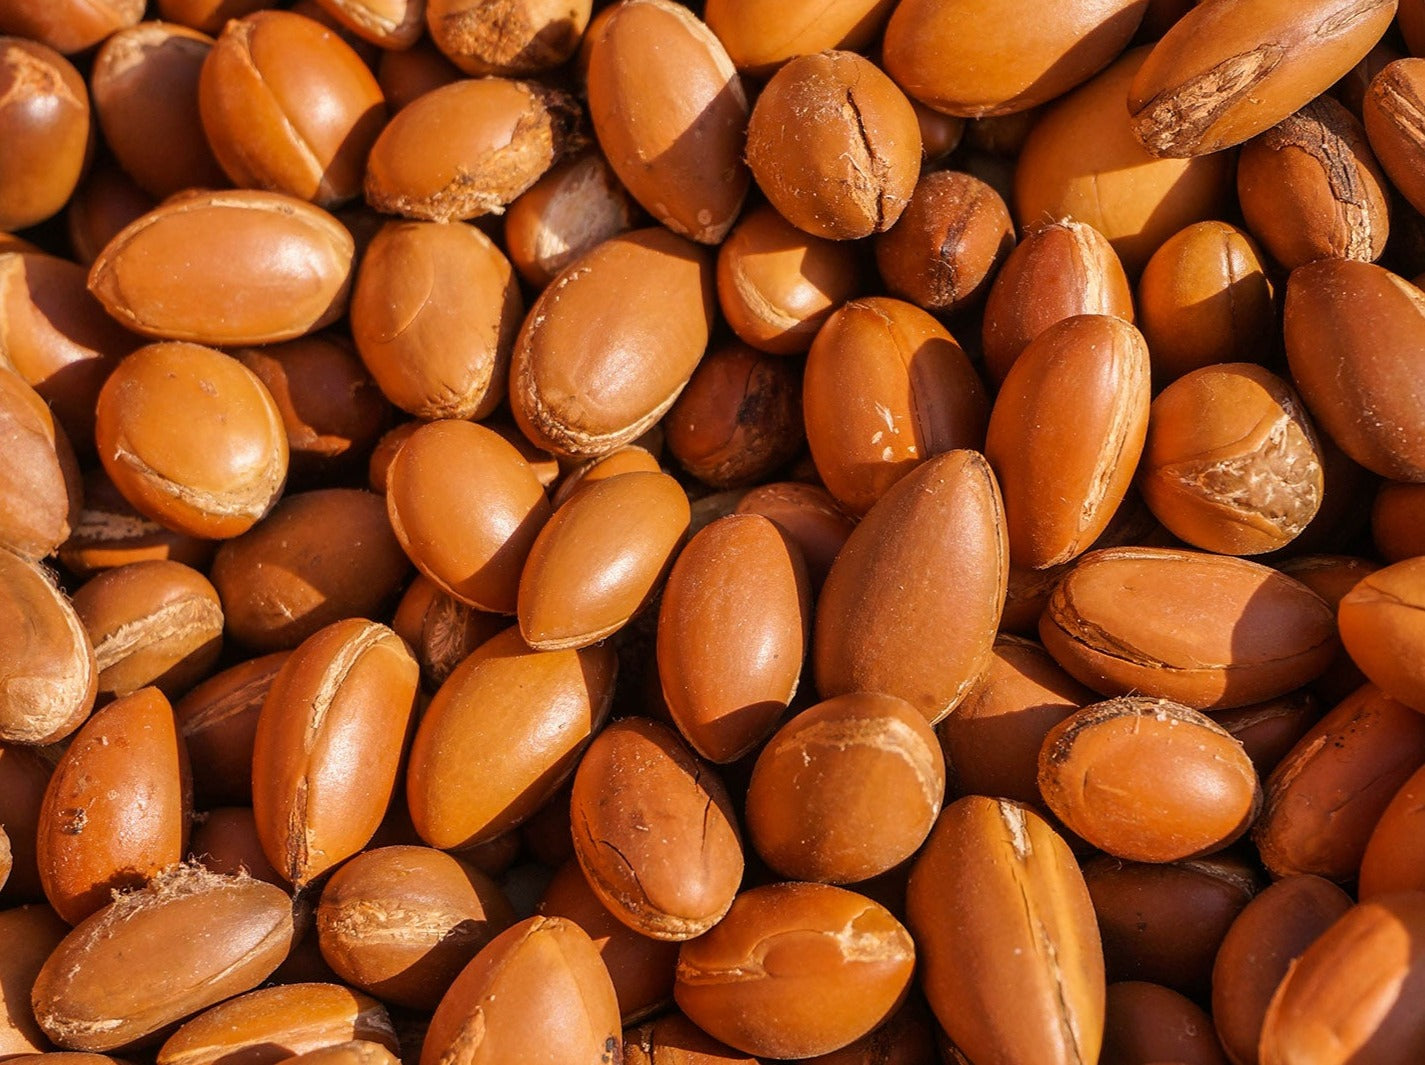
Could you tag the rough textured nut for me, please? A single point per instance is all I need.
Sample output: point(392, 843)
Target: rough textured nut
point(1395, 124)
point(509, 37)
point(30, 933)
point(1382, 629)
point(44, 113)
point(761, 36)
point(573, 208)
point(795, 970)
point(440, 630)
point(40, 494)
point(218, 719)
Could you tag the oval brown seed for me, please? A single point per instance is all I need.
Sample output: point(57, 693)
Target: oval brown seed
point(1381, 629)
point(218, 719)
point(40, 497)
point(30, 934)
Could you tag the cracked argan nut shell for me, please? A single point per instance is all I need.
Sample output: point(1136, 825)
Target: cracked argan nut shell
point(48, 678)
point(761, 36)
point(543, 971)
point(218, 719)
point(573, 208)
point(886, 388)
point(1228, 71)
point(1208, 631)
point(796, 970)
point(392, 25)
point(834, 145)
point(238, 266)
point(434, 314)
point(1148, 779)
point(203, 937)
point(507, 37)
point(600, 558)
point(674, 1040)
point(30, 934)
point(654, 831)
point(1066, 433)
point(40, 489)
point(401, 922)
point(329, 741)
point(468, 148)
point(192, 439)
point(1009, 946)
point(109, 532)
point(1232, 464)
point(634, 315)
point(466, 508)
point(1355, 341)
point(846, 789)
point(502, 733)
point(912, 602)
point(1394, 858)
point(670, 114)
point(44, 118)
point(1392, 111)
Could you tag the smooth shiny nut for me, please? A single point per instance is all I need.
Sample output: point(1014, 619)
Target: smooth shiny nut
point(572, 209)
point(218, 719)
point(761, 36)
point(45, 118)
point(1381, 630)
point(810, 516)
point(40, 495)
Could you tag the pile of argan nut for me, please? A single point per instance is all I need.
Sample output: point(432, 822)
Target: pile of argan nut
point(868, 532)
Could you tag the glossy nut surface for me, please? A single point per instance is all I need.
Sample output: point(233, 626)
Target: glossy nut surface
point(218, 719)
point(38, 487)
point(1380, 629)
point(45, 116)
point(573, 208)
point(1391, 110)
point(761, 37)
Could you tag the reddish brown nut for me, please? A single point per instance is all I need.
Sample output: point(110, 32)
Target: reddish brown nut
point(834, 145)
point(760, 36)
point(109, 532)
point(1381, 629)
point(218, 720)
point(674, 1040)
point(846, 790)
point(1398, 521)
point(1269, 730)
point(813, 520)
point(68, 26)
point(206, 16)
point(654, 831)
point(353, 1052)
point(225, 840)
point(628, 459)
point(203, 938)
point(1394, 859)
point(391, 24)
point(1391, 110)
point(24, 775)
point(440, 630)
point(44, 113)
point(31, 933)
point(410, 73)
point(795, 970)
point(40, 493)
point(1147, 1023)
point(328, 745)
point(484, 37)
point(944, 518)
point(576, 206)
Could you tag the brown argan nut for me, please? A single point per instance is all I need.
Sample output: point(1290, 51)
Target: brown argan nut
point(1148, 1023)
point(218, 720)
point(44, 113)
point(1065, 435)
point(392, 25)
point(654, 831)
point(1352, 994)
point(795, 970)
point(674, 1040)
point(48, 678)
point(600, 558)
point(434, 314)
point(886, 388)
point(192, 439)
point(925, 571)
point(239, 266)
point(628, 459)
point(225, 840)
point(1328, 793)
point(1058, 270)
point(1208, 631)
point(466, 507)
point(809, 515)
point(1269, 730)
point(574, 207)
point(1009, 949)
point(1398, 521)
point(468, 148)
point(353, 1052)
point(502, 733)
point(834, 145)
point(410, 73)
point(40, 491)
point(1394, 859)
point(634, 314)
point(1204, 298)
point(109, 532)
point(846, 790)
point(777, 285)
point(69, 26)
point(760, 36)
point(484, 37)
point(948, 244)
point(441, 630)
point(1148, 779)
point(908, 1038)
point(24, 776)
point(288, 576)
point(983, 58)
point(30, 934)
point(1392, 113)
point(203, 937)
point(1227, 72)
point(329, 741)
point(1260, 945)
point(206, 16)
point(1332, 577)
point(1082, 161)
point(1381, 629)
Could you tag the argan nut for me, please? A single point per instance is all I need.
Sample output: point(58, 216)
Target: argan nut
point(1265, 938)
point(69, 26)
point(635, 314)
point(926, 571)
point(1381, 629)
point(109, 532)
point(240, 266)
point(572, 209)
point(434, 314)
point(145, 87)
point(1208, 631)
point(980, 58)
point(846, 789)
point(1204, 298)
point(343, 701)
point(1398, 521)
point(392, 25)
point(218, 719)
point(1393, 859)
point(412, 72)
point(795, 970)
point(40, 494)
point(1351, 993)
point(808, 514)
point(1146, 1023)
point(440, 630)
point(484, 37)
point(353, 1052)
point(628, 459)
point(203, 938)
point(886, 388)
point(7, 858)
point(287, 576)
point(206, 16)
point(48, 678)
point(542, 967)
point(1326, 796)
point(1224, 73)
point(599, 559)
point(225, 840)
point(502, 733)
point(474, 554)
point(44, 113)
point(834, 145)
point(1082, 161)
point(1058, 270)
point(30, 933)
point(674, 1040)
point(760, 36)
point(468, 148)
point(1269, 730)
point(24, 776)
point(1065, 435)
point(654, 831)
point(1391, 111)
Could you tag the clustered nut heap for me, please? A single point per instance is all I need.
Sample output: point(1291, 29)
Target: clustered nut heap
point(875, 532)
